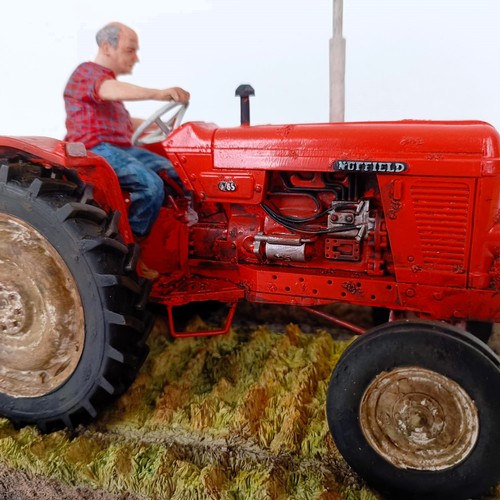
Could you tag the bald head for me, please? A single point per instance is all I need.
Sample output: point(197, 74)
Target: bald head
point(118, 46)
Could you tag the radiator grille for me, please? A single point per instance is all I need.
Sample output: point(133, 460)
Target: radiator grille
point(441, 212)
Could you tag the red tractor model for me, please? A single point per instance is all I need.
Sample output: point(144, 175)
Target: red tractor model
point(402, 216)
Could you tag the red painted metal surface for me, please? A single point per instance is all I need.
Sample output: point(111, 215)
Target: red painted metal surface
point(202, 333)
point(402, 215)
point(91, 169)
point(340, 322)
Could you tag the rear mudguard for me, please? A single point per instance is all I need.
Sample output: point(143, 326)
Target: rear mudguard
point(91, 169)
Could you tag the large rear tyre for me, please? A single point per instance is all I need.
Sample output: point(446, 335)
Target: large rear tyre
point(72, 336)
point(414, 406)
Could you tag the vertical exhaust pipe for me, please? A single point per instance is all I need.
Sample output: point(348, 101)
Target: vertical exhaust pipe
point(244, 92)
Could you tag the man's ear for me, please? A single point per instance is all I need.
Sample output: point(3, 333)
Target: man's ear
point(106, 48)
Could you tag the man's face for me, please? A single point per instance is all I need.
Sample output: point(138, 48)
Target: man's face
point(124, 56)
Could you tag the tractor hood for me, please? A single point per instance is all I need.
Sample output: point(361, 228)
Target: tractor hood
point(470, 148)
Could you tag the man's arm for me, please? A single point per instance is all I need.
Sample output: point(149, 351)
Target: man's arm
point(114, 90)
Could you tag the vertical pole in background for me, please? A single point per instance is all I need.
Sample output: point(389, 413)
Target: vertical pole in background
point(337, 65)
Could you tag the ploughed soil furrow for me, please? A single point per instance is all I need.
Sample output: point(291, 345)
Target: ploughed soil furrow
point(234, 416)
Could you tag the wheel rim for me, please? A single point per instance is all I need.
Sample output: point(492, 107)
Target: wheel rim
point(41, 314)
point(419, 419)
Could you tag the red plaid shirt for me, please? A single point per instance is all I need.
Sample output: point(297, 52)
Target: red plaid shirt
point(90, 119)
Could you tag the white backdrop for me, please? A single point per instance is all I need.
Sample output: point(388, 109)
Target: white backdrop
point(430, 59)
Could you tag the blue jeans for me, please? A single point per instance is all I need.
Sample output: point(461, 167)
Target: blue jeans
point(137, 170)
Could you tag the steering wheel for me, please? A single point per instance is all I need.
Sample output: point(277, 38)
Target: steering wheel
point(164, 128)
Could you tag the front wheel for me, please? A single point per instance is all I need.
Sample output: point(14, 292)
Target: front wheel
point(414, 406)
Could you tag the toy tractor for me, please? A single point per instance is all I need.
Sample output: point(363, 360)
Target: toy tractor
point(401, 216)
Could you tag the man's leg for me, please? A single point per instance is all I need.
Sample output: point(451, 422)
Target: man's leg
point(143, 184)
point(158, 163)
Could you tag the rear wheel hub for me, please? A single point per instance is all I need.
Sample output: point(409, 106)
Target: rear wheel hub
point(41, 314)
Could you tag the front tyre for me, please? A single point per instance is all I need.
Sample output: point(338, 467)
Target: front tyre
point(71, 335)
point(414, 406)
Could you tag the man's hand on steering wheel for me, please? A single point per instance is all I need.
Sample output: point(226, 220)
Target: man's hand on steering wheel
point(176, 94)
point(178, 100)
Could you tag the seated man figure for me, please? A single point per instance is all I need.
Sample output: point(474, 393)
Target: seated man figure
point(97, 117)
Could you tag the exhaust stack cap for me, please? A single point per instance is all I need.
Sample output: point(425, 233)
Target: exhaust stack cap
point(244, 91)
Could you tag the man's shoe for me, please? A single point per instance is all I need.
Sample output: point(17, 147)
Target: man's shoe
point(147, 272)
point(191, 217)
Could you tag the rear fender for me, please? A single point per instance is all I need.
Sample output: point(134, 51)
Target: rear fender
point(91, 169)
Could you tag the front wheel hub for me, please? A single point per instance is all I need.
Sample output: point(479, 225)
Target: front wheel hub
point(419, 419)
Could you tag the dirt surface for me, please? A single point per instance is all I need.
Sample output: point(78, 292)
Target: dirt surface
point(17, 485)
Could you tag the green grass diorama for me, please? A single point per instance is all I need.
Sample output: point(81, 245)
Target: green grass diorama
point(230, 417)
point(235, 416)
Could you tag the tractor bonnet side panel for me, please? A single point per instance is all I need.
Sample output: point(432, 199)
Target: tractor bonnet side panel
point(429, 221)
